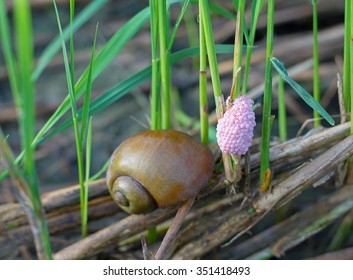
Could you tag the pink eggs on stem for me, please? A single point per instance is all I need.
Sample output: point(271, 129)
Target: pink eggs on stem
point(236, 129)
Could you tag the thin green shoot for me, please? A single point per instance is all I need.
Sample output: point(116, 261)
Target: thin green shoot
point(24, 40)
point(244, 27)
point(203, 85)
point(121, 89)
point(351, 65)
point(266, 115)
point(163, 28)
point(87, 178)
point(177, 24)
point(346, 55)
point(87, 97)
point(72, 45)
point(71, 89)
point(256, 10)
point(238, 47)
point(191, 27)
point(100, 172)
point(282, 114)
point(316, 80)
point(301, 91)
point(204, 10)
point(54, 47)
point(105, 56)
point(155, 81)
point(10, 59)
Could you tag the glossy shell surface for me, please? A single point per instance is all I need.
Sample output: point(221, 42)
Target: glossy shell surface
point(170, 164)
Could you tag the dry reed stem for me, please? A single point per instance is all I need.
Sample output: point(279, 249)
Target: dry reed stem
point(241, 221)
point(293, 150)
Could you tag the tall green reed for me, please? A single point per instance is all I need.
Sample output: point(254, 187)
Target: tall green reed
point(203, 84)
point(351, 60)
point(238, 48)
point(266, 114)
point(80, 132)
point(23, 90)
point(163, 29)
point(256, 10)
point(316, 80)
point(155, 79)
point(346, 55)
point(205, 17)
point(282, 114)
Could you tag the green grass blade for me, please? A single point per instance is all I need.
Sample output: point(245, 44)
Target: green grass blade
point(244, 29)
point(256, 10)
point(54, 47)
point(78, 136)
point(282, 114)
point(87, 98)
point(177, 24)
point(69, 80)
point(122, 88)
point(24, 40)
point(100, 172)
point(72, 45)
point(8, 54)
point(346, 56)
point(238, 50)
point(203, 102)
point(266, 111)
point(155, 78)
point(316, 66)
point(87, 174)
point(221, 11)
point(308, 99)
point(106, 55)
point(106, 99)
point(163, 29)
point(204, 10)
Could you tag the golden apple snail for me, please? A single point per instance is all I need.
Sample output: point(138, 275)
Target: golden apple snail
point(158, 168)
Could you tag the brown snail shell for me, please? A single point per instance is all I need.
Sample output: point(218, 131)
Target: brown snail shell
point(158, 168)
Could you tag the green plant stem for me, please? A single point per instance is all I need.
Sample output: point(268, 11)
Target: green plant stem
point(282, 114)
point(346, 56)
point(72, 45)
point(74, 116)
point(203, 87)
point(191, 30)
point(23, 26)
point(8, 54)
point(238, 47)
point(87, 180)
point(316, 81)
point(155, 81)
point(163, 27)
point(212, 58)
point(250, 43)
point(351, 65)
point(266, 116)
point(113, 94)
point(177, 24)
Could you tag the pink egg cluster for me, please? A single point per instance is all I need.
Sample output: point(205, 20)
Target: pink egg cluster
point(236, 129)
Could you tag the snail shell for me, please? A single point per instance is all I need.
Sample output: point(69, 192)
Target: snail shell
point(158, 168)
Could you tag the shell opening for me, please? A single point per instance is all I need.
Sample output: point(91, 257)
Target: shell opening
point(131, 196)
